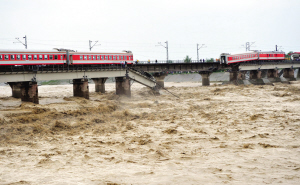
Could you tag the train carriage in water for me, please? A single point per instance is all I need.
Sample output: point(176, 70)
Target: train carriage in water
point(226, 58)
point(62, 57)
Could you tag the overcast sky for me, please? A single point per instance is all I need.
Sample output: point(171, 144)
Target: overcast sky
point(138, 25)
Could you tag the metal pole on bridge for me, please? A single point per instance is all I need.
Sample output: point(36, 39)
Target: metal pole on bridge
point(203, 45)
point(22, 42)
point(167, 48)
point(90, 42)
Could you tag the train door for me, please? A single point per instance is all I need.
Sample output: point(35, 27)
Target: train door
point(223, 60)
point(64, 59)
point(71, 59)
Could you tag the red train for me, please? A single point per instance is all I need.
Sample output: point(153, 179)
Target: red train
point(226, 58)
point(62, 56)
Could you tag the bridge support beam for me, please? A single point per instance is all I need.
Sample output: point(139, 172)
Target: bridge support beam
point(205, 77)
point(123, 86)
point(81, 88)
point(99, 84)
point(160, 79)
point(289, 74)
point(256, 77)
point(16, 89)
point(29, 92)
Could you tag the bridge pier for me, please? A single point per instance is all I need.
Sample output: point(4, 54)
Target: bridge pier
point(29, 91)
point(99, 84)
point(160, 79)
point(205, 77)
point(16, 89)
point(237, 77)
point(256, 77)
point(298, 74)
point(288, 74)
point(123, 86)
point(273, 76)
point(81, 88)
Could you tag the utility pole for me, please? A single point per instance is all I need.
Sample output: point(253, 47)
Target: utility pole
point(90, 42)
point(278, 48)
point(248, 45)
point(22, 42)
point(167, 48)
point(202, 46)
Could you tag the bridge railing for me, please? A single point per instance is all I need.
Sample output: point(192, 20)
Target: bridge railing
point(172, 61)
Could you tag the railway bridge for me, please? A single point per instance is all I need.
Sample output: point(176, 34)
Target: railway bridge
point(23, 79)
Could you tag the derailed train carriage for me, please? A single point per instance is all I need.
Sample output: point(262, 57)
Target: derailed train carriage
point(254, 56)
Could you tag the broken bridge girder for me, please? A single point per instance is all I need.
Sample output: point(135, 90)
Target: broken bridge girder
point(141, 77)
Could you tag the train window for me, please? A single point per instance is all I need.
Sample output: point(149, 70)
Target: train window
point(45, 57)
point(34, 57)
point(24, 57)
point(121, 57)
point(90, 57)
point(6, 57)
point(41, 57)
point(55, 57)
point(29, 57)
point(0, 57)
point(106, 57)
point(102, 57)
point(85, 57)
point(18, 57)
point(117, 57)
point(51, 57)
point(110, 57)
point(94, 57)
point(12, 57)
point(131, 58)
point(98, 57)
point(114, 57)
point(81, 57)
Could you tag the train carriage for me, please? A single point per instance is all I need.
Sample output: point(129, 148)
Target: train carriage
point(61, 57)
point(227, 58)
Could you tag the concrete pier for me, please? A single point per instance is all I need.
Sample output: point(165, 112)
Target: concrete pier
point(81, 88)
point(289, 74)
point(205, 77)
point(99, 84)
point(273, 76)
point(123, 86)
point(237, 77)
point(29, 92)
point(256, 77)
point(16, 89)
point(160, 77)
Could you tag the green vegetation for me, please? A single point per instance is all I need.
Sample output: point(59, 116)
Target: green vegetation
point(187, 59)
point(209, 60)
point(288, 55)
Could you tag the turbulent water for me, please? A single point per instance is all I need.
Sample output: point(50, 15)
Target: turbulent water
point(210, 135)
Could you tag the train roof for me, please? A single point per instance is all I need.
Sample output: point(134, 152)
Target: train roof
point(256, 51)
point(55, 50)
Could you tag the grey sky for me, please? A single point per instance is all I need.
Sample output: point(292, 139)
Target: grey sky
point(138, 25)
